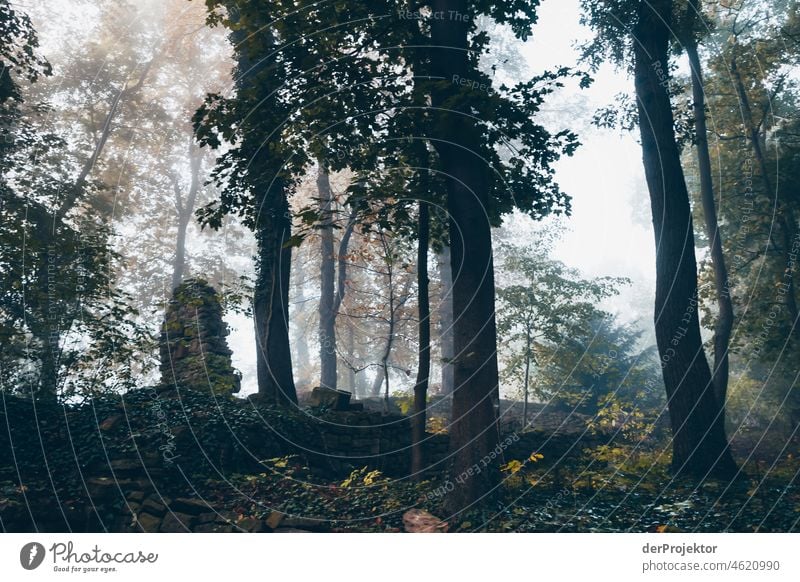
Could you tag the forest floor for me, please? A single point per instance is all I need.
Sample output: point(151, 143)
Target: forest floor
point(52, 458)
point(578, 496)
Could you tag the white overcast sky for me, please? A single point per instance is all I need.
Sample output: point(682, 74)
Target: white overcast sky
point(610, 231)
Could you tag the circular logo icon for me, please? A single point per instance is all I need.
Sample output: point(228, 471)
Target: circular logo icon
point(31, 555)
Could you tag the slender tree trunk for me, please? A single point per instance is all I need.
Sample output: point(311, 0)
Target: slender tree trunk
point(185, 212)
point(525, 391)
point(327, 316)
point(333, 286)
point(700, 446)
point(351, 355)
point(424, 365)
point(47, 388)
point(385, 365)
point(785, 228)
point(390, 337)
point(179, 264)
point(383, 374)
point(341, 290)
point(375, 390)
point(48, 337)
point(46, 328)
point(362, 387)
point(108, 124)
point(48, 375)
point(446, 320)
point(300, 337)
point(724, 325)
point(392, 306)
point(271, 301)
point(473, 429)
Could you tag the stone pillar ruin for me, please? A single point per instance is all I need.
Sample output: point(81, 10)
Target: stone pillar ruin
point(193, 349)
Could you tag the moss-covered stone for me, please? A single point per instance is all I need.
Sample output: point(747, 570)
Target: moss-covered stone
point(194, 352)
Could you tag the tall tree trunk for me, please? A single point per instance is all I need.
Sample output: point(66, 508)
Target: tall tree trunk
point(48, 331)
point(392, 320)
point(46, 327)
point(383, 375)
point(351, 355)
point(383, 372)
point(48, 373)
point(724, 324)
point(179, 264)
point(785, 227)
point(185, 210)
point(362, 387)
point(375, 389)
point(327, 316)
point(333, 284)
point(446, 319)
point(385, 368)
point(699, 445)
point(271, 300)
point(526, 387)
point(424, 365)
point(300, 338)
point(473, 429)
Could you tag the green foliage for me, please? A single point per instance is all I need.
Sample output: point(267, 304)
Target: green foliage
point(354, 96)
point(748, 51)
point(64, 327)
point(404, 401)
point(763, 396)
point(19, 57)
point(601, 364)
point(625, 418)
point(758, 209)
point(612, 21)
point(545, 306)
point(63, 324)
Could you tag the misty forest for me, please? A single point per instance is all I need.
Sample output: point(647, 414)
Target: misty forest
point(394, 266)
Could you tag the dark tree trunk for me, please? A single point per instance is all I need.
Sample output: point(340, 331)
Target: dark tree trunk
point(699, 445)
point(473, 428)
point(424, 366)
point(48, 336)
point(724, 325)
point(46, 328)
point(446, 320)
point(271, 301)
point(48, 374)
point(392, 322)
point(327, 315)
point(385, 367)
